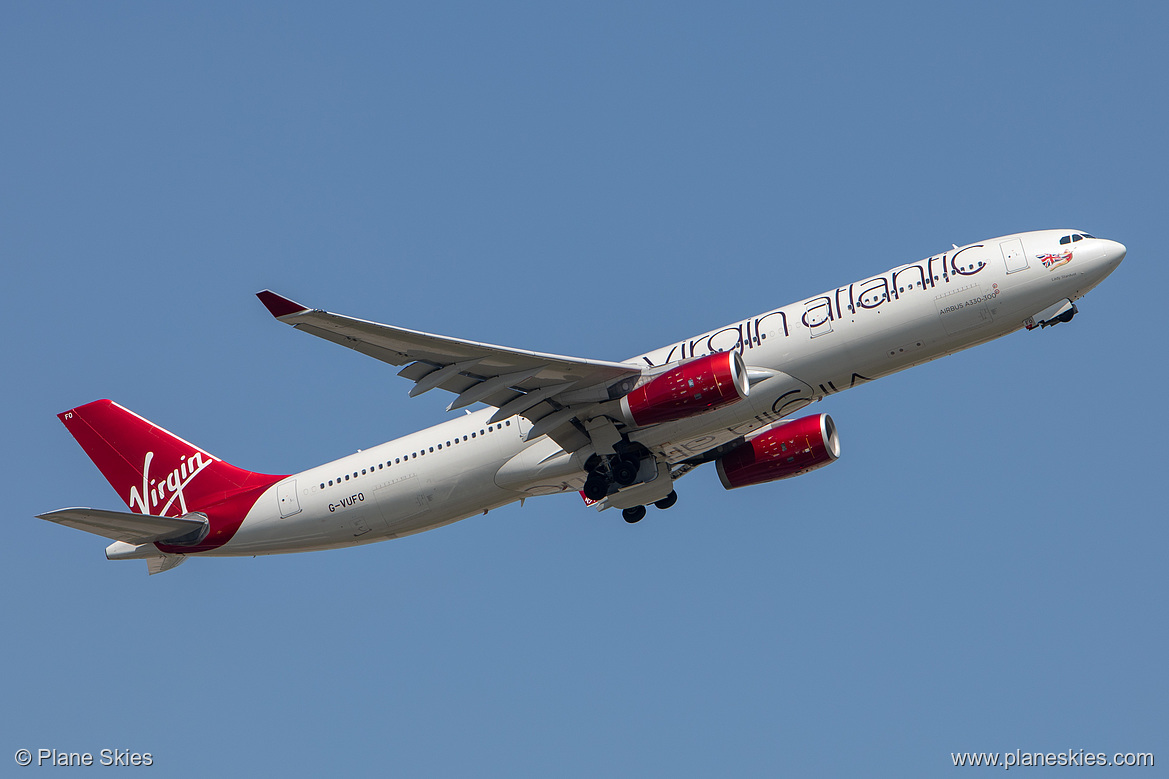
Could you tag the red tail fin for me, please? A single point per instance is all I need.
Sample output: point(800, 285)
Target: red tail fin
point(153, 471)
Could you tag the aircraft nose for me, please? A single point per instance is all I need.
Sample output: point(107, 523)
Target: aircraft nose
point(1114, 252)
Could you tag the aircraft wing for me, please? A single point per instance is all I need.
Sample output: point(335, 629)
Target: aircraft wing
point(124, 526)
point(548, 389)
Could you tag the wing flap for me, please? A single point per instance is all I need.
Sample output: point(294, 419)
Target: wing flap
point(124, 526)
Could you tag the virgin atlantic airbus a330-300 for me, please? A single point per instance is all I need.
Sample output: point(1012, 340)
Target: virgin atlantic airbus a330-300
point(619, 432)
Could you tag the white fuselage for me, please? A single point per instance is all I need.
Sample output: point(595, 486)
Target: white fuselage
point(809, 349)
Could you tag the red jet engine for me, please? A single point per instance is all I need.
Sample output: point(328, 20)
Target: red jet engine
point(693, 387)
point(787, 450)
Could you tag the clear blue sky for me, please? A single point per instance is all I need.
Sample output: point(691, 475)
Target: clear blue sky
point(983, 570)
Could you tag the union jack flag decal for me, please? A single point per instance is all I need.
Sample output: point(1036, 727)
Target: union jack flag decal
point(1052, 261)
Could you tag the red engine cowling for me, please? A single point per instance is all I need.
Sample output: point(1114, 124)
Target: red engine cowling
point(787, 450)
point(691, 388)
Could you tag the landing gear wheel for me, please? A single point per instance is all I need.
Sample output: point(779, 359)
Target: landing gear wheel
point(625, 471)
point(667, 501)
point(596, 486)
point(635, 514)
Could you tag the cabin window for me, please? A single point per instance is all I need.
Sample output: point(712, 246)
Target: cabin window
point(346, 477)
point(432, 448)
point(322, 485)
point(330, 482)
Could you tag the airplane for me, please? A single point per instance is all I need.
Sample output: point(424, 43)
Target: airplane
point(620, 433)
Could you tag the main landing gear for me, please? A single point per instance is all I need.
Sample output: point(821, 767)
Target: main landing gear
point(637, 513)
point(618, 469)
point(667, 501)
point(625, 470)
point(596, 486)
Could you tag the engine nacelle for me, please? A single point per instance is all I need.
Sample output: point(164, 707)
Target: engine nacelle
point(693, 387)
point(787, 450)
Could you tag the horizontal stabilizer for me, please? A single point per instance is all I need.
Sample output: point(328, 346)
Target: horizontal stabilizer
point(127, 527)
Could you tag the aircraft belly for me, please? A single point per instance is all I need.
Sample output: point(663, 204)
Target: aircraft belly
point(442, 497)
point(541, 469)
point(265, 532)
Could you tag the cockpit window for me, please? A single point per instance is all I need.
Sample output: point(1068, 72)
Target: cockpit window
point(1065, 239)
point(1077, 237)
point(1089, 236)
